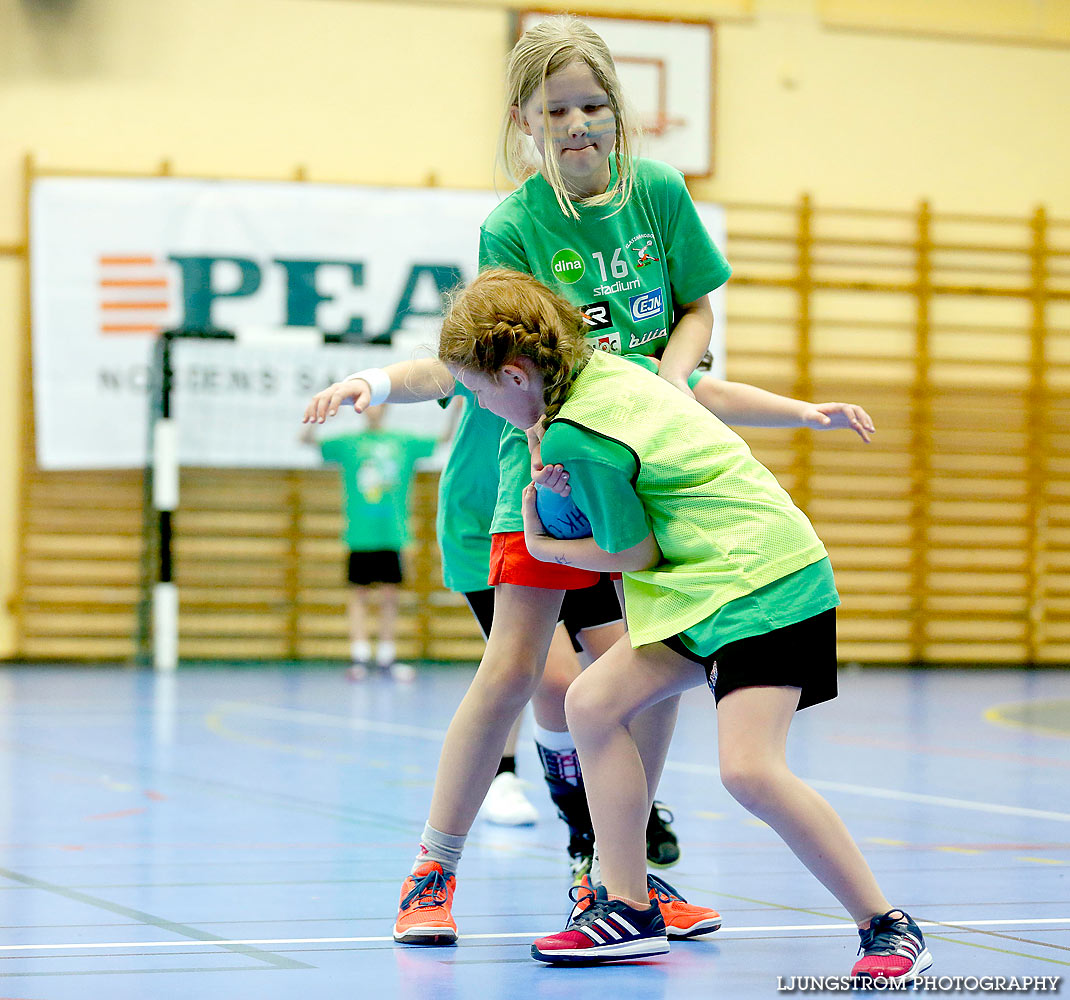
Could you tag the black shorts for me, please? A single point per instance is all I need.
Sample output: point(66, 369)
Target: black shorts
point(581, 609)
point(802, 655)
point(482, 604)
point(591, 607)
point(379, 566)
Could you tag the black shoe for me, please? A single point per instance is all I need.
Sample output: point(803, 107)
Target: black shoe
point(571, 802)
point(662, 849)
point(581, 856)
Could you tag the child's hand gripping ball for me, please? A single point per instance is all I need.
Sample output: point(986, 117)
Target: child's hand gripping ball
point(560, 515)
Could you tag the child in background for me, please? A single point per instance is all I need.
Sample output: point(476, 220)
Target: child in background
point(376, 467)
point(724, 579)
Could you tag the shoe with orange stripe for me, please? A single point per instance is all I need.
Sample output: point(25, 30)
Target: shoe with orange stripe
point(682, 919)
point(424, 915)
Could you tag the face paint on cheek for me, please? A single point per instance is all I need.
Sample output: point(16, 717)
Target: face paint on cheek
point(598, 128)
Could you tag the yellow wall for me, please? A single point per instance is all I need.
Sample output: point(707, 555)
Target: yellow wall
point(840, 99)
point(878, 119)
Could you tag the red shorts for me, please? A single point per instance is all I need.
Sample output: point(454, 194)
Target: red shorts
point(510, 562)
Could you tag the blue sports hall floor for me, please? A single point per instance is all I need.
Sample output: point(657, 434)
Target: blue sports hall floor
point(237, 832)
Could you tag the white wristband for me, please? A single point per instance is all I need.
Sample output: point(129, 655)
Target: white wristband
point(378, 381)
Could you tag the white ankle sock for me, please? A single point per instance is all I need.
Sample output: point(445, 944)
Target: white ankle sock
point(445, 848)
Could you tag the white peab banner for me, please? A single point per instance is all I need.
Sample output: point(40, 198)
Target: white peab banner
point(115, 261)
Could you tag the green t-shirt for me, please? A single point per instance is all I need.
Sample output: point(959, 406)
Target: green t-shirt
point(467, 491)
point(603, 475)
point(376, 469)
point(629, 272)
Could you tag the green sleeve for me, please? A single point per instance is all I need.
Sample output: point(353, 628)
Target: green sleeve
point(497, 250)
point(336, 449)
point(601, 474)
point(696, 266)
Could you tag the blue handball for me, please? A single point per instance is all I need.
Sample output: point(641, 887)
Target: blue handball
point(559, 515)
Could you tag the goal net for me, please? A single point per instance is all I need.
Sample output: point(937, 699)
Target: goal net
point(232, 506)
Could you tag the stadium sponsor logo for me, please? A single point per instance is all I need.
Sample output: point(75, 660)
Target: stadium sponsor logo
point(567, 266)
point(617, 286)
point(647, 305)
point(597, 315)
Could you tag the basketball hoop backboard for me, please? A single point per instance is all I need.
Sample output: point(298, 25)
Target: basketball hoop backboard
point(666, 70)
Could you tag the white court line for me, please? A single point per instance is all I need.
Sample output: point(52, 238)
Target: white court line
point(890, 793)
point(334, 721)
point(436, 735)
point(939, 800)
point(844, 926)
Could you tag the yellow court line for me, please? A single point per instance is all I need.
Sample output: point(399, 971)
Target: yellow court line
point(995, 715)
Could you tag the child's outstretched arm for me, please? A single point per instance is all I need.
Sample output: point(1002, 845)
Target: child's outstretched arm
point(583, 553)
point(745, 405)
point(402, 382)
point(736, 402)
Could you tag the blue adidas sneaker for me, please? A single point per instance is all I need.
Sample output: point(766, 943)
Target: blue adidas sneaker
point(606, 930)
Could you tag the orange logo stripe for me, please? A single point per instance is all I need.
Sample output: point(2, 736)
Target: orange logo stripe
point(133, 282)
point(130, 328)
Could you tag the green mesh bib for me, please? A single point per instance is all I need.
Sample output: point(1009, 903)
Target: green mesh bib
point(724, 524)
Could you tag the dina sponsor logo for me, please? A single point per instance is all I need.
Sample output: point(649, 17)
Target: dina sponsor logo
point(567, 266)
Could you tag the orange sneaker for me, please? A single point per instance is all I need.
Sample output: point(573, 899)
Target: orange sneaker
point(582, 895)
point(682, 919)
point(424, 912)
